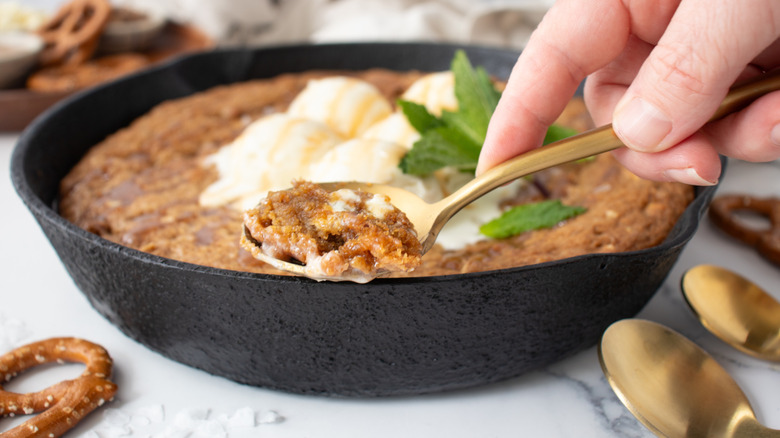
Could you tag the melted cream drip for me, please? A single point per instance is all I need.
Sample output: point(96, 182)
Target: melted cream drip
point(360, 160)
point(344, 200)
point(348, 106)
point(266, 156)
point(379, 206)
point(436, 91)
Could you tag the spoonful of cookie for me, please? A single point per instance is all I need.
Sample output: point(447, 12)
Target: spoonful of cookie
point(358, 231)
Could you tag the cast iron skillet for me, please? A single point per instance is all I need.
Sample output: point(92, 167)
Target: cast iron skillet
point(392, 336)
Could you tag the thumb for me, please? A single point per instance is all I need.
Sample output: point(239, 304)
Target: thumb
point(704, 49)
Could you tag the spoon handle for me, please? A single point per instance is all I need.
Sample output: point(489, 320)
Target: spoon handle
point(584, 145)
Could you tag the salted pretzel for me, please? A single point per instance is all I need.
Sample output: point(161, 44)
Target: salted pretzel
point(63, 404)
point(766, 241)
point(72, 34)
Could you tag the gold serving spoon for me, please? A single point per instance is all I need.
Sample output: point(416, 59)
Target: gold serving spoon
point(735, 310)
point(429, 219)
point(674, 387)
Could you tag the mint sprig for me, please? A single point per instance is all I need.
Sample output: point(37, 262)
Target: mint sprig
point(455, 139)
point(527, 217)
point(477, 99)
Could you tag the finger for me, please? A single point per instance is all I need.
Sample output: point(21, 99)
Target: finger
point(693, 161)
point(604, 88)
point(690, 70)
point(752, 134)
point(549, 70)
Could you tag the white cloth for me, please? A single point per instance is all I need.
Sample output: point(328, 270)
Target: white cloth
point(505, 23)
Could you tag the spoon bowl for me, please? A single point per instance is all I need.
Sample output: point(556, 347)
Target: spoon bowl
point(428, 219)
point(735, 310)
point(674, 387)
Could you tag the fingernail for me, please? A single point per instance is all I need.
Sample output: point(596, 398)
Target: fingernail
point(688, 176)
point(641, 125)
point(774, 135)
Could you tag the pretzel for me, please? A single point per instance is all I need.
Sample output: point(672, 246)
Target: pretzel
point(61, 78)
point(72, 34)
point(65, 403)
point(766, 242)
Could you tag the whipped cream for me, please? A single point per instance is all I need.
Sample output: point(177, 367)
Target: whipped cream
point(348, 200)
point(393, 128)
point(435, 91)
point(372, 161)
point(463, 228)
point(359, 159)
point(379, 206)
point(268, 155)
point(349, 106)
point(344, 200)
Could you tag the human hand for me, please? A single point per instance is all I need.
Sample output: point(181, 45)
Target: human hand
point(657, 69)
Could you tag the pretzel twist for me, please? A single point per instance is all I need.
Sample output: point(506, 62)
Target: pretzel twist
point(765, 241)
point(72, 34)
point(63, 404)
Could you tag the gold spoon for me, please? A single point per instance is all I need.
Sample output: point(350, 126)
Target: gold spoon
point(674, 387)
point(429, 219)
point(735, 310)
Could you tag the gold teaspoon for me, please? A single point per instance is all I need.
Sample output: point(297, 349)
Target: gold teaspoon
point(735, 310)
point(674, 387)
point(429, 219)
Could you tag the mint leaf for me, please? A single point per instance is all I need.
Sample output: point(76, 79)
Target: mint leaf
point(476, 95)
point(438, 148)
point(418, 116)
point(455, 138)
point(527, 217)
point(461, 124)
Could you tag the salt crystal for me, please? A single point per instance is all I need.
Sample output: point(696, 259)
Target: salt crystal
point(171, 432)
point(270, 417)
point(12, 332)
point(139, 421)
point(153, 413)
point(209, 429)
point(116, 417)
point(187, 418)
point(243, 417)
point(115, 432)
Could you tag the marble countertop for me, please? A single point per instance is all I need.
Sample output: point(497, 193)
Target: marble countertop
point(162, 398)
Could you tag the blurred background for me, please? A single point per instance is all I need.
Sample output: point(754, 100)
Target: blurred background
point(505, 23)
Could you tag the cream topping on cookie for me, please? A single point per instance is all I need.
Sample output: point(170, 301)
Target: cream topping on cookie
point(347, 105)
point(267, 156)
point(436, 91)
